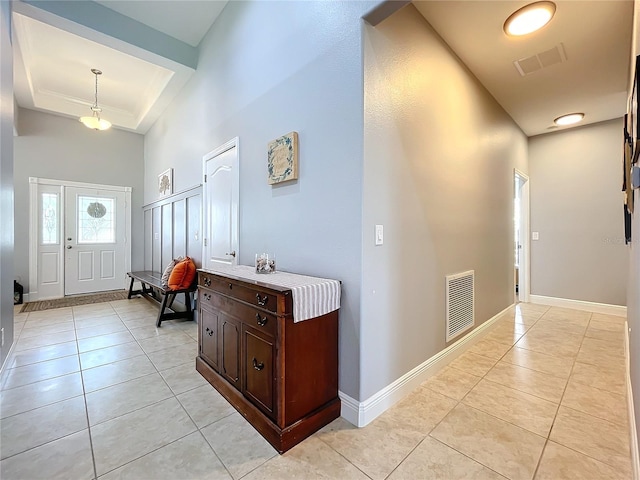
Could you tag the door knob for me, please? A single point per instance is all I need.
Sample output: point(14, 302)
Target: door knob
point(233, 254)
point(68, 247)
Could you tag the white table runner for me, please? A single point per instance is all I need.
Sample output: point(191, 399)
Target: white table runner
point(312, 296)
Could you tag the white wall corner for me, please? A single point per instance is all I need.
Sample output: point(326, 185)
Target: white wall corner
point(361, 414)
point(635, 455)
point(604, 308)
point(7, 359)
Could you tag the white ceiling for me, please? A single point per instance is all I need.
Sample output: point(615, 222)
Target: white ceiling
point(596, 36)
point(54, 56)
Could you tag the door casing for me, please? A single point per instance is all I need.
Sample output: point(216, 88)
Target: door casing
point(35, 187)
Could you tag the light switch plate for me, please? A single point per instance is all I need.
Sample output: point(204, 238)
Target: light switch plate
point(535, 236)
point(379, 234)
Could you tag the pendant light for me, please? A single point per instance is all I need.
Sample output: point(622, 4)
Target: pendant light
point(94, 121)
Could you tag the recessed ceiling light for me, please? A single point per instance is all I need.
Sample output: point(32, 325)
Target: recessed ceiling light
point(569, 119)
point(529, 18)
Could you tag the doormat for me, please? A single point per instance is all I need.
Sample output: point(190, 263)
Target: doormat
point(75, 301)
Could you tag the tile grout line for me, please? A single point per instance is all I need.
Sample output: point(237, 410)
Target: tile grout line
point(86, 406)
point(548, 438)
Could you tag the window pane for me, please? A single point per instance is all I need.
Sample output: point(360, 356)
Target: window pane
point(96, 220)
point(49, 226)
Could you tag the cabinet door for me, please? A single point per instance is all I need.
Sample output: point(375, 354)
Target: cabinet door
point(259, 370)
point(229, 349)
point(209, 337)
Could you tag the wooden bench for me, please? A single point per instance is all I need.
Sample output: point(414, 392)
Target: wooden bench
point(152, 283)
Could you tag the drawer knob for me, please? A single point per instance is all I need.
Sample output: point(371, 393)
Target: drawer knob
point(207, 282)
point(209, 331)
point(256, 365)
point(230, 286)
point(207, 296)
point(262, 301)
point(261, 321)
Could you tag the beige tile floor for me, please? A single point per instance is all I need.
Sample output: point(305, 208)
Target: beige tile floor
point(98, 392)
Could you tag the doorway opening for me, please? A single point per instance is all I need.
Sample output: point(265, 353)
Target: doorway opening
point(521, 237)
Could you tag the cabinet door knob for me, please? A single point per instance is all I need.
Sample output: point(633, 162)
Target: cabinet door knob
point(262, 301)
point(209, 331)
point(261, 321)
point(256, 365)
point(207, 282)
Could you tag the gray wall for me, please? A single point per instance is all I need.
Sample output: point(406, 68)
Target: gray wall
point(6, 179)
point(633, 289)
point(576, 206)
point(265, 69)
point(439, 163)
point(60, 148)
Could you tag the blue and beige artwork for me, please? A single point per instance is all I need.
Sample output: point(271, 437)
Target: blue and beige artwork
point(282, 158)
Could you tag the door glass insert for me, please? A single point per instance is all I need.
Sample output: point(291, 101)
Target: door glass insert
point(96, 220)
point(49, 230)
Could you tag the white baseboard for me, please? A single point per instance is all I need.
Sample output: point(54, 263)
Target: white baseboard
point(605, 308)
point(362, 413)
point(635, 454)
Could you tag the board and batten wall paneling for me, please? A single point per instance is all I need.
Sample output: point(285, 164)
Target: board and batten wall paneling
point(194, 233)
point(166, 235)
point(180, 225)
point(156, 259)
point(148, 240)
point(172, 229)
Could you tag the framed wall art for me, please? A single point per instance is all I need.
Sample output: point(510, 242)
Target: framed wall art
point(165, 183)
point(282, 158)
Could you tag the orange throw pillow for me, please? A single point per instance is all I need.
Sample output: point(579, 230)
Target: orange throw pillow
point(182, 275)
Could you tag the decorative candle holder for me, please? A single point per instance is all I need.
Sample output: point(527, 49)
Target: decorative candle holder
point(265, 263)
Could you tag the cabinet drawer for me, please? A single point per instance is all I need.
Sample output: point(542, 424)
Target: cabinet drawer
point(240, 292)
point(254, 317)
point(259, 370)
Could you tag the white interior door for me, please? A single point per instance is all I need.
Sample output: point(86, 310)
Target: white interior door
point(95, 240)
point(521, 214)
point(221, 189)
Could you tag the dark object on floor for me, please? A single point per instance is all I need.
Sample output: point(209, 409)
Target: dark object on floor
point(152, 284)
point(74, 301)
point(18, 291)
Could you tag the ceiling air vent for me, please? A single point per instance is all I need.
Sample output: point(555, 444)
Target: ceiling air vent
point(528, 65)
point(460, 303)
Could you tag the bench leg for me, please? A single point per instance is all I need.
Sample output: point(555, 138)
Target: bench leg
point(163, 306)
point(187, 303)
point(130, 289)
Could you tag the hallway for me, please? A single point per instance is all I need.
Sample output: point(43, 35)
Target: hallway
point(97, 391)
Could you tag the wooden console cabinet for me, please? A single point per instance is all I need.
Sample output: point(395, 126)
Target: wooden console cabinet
point(281, 375)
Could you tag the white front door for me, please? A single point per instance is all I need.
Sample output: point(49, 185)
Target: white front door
point(94, 240)
point(221, 188)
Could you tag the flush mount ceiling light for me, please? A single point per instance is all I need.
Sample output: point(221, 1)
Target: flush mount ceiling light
point(529, 18)
point(569, 119)
point(94, 121)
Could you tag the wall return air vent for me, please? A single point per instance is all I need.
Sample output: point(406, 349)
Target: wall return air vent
point(460, 304)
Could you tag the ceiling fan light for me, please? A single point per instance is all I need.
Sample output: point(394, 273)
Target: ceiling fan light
point(569, 119)
point(529, 18)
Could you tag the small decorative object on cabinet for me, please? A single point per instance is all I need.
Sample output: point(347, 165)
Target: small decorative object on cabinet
point(271, 349)
point(265, 263)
